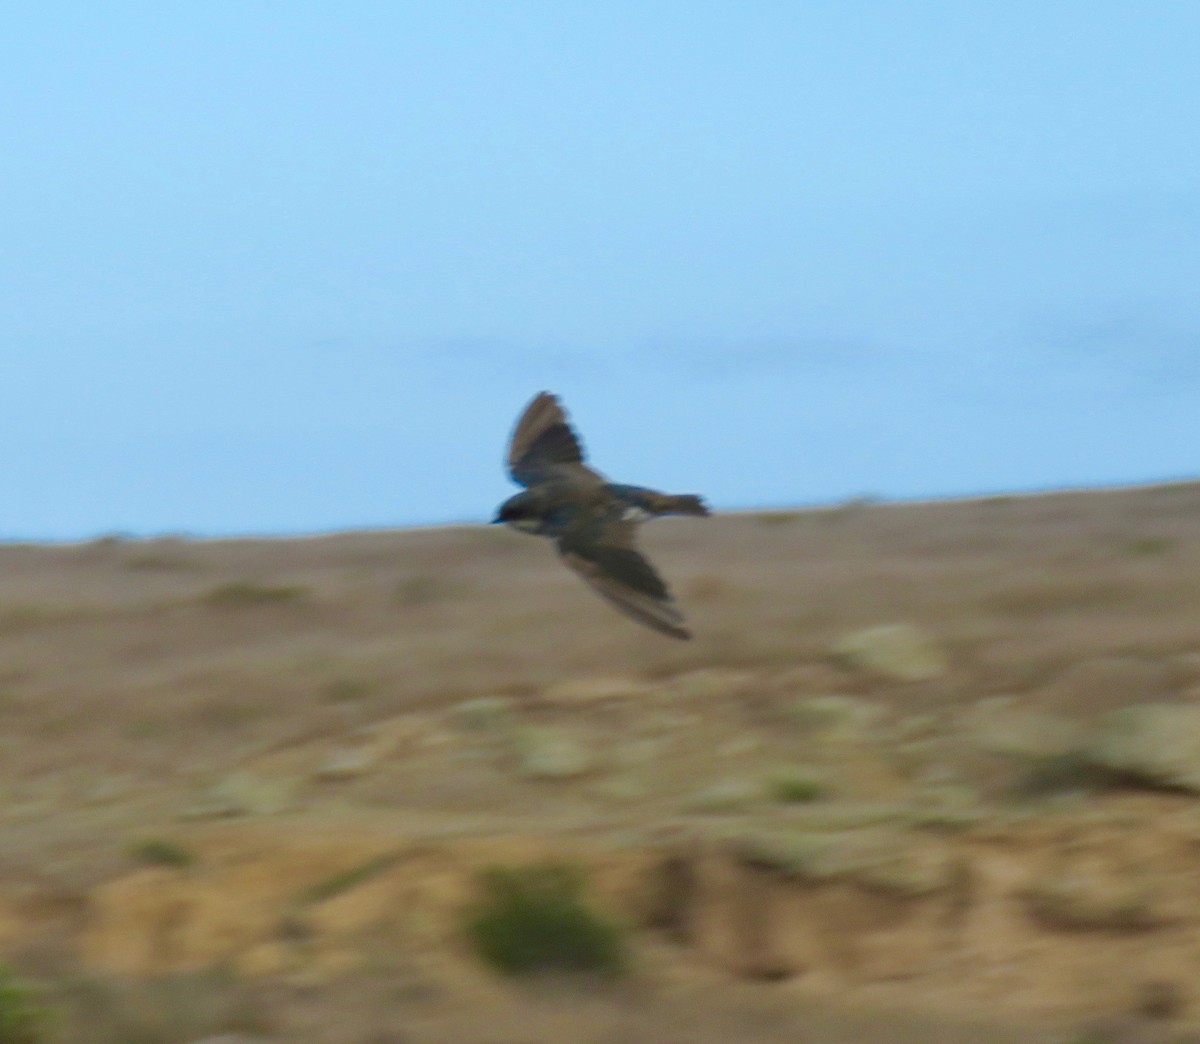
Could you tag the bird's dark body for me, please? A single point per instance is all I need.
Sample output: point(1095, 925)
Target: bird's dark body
point(559, 508)
point(591, 520)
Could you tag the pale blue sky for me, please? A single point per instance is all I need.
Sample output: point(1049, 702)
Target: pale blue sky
point(285, 267)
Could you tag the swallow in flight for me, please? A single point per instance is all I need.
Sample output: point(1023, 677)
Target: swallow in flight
point(591, 520)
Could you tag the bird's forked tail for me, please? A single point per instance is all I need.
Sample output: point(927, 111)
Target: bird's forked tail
point(683, 504)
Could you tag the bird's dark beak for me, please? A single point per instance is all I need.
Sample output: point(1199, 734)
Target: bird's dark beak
point(495, 521)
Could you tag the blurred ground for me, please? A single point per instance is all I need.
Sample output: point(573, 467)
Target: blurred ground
point(973, 848)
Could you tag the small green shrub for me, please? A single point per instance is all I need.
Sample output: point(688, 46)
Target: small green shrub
point(1056, 775)
point(145, 728)
point(112, 539)
point(796, 789)
point(846, 511)
point(158, 562)
point(420, 589)
point(534, 920)
point(243, 593)
point(348, 879)
point(778, 518)
point(158, 852)
point(1057, 595)
point(345, 690)
point(1148, 546)
point(27, 617)
point(22, 1019)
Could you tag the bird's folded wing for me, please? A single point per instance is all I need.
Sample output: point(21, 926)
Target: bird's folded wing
point(542, 440)
point(624, 578)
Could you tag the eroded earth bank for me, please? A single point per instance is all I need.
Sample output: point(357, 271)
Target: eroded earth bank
point(928, 772)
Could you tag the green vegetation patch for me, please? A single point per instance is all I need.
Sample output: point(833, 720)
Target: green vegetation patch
point(346, 690)
point(348, 879)
point(421, 589)
point(1149, 546)
point(1057, 775)
point(533, 920)
point(159, 562)
point(778, 518)
point(170, 1009)
point(22, 1018)
point(243, 593)
point(160, 852)
point(796, 787)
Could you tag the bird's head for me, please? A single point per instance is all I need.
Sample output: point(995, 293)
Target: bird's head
point(521, 512)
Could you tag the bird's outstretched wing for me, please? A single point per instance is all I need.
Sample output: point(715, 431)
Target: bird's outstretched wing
point(543, 442)
point(603, 553)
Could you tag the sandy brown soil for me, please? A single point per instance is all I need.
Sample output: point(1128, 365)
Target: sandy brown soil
point(136, 675)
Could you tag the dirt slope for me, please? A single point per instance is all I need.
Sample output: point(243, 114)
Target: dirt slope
point(859, 854)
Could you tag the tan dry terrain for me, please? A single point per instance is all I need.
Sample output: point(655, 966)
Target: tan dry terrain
point(336, 734)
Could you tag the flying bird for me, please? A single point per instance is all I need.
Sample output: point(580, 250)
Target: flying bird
point(592, 521)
